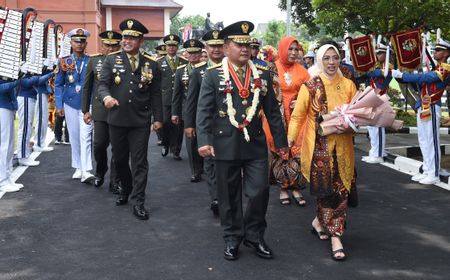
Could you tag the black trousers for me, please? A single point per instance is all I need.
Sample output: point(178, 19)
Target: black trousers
point(101, 143)
point(172, 135)
point(59, 129)
point(131, 144)
point(195, 160)
point(233, 177)
point(210, 172)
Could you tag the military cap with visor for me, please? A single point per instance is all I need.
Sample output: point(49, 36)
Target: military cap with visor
point(213, 37)
point(254, 42)
point(78, 34)
point(161, 49)
point(442, 45)
point(110, 37)
point(133, 28)
point(193, 46)
point(171, 39)
point(238, 32)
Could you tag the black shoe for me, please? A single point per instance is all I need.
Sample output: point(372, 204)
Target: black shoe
point(176, 157)
point(215, 207)
point(164, 151)
point(140, 212)
point(122, 200)
point(114, 188)
point(231, 252)
point(196, 178)
point(98, 181)
point(261, 248)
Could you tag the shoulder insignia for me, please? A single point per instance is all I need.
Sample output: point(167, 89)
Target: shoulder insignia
point(182, 59)
point(200, 64)
point(215, 66)
point(181, 66)
point(95, 54)
point(262, 67)
point(150, 57)
point(446, 66)
point(116, 52)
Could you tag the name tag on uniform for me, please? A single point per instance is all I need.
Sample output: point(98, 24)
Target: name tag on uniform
point(77, 88)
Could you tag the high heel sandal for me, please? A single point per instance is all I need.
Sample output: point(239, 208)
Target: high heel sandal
point(334, 252)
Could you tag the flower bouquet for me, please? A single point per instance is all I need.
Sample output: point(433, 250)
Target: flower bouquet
point(366, 108)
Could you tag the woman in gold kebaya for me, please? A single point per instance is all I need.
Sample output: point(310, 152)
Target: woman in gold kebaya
point(327, 162)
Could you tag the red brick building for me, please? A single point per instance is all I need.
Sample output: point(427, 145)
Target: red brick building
point(99, 15)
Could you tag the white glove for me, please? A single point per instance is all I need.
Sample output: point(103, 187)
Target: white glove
point(397, 73)
point(47, 62)
point(24, 68)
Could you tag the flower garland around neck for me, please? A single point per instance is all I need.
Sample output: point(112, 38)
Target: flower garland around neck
point(231, 111)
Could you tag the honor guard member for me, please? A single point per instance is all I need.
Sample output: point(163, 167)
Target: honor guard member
point(214, 48)
point(27, 104)
point(161, 51)
point(8, 108)
point(180, 91)
point(376, 79)
point(254, 45)
point(90, 98)
point(41, 111)
point(69, 79)
point(233, 97)
point(130, 87)
point(172, 135)
point(433, 84)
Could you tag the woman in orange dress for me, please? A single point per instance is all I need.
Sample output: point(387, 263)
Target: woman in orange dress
point(291, 76)
point(327, 162)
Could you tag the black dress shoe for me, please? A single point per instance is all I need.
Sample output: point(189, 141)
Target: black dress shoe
point(98, 181)
point(261, 248)
point(122, 200)
point(114, 188)
point(196, 178)
point(140, 212)
point(215, 207)
point(231, 252)
point(176, 157)
point(164, 151)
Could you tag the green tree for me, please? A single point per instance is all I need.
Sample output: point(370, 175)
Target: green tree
point(275, 30)
point(381, 16)
point(177, 23)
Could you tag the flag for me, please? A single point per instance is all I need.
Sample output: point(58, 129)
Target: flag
point(184, 33)
point(362, 53)
point(408, 48)
point(190, 32)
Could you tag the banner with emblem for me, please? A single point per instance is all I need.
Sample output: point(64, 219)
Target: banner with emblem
point(362, 53)
point(408, 48)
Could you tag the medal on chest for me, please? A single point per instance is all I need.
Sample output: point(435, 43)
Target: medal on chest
point(71, 78)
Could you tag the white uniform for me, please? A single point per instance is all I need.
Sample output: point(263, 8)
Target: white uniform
point(26, 116)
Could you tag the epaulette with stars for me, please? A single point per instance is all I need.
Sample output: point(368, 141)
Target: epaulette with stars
point(149, 57)
point(116, 52)
point(200, 64)
point(215, 66)
point(262, 67)
point(181, 66)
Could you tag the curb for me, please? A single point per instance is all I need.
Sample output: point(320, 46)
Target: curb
point(411, 167)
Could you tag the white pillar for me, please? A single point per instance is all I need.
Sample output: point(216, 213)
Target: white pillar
point(166, 21)
point(108, 19)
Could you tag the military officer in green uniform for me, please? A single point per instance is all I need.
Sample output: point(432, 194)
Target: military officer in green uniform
point(180, 91)
point(130, 87)
point(233, 96)
point(214, 48)
point(90, 97)
point(172, 135)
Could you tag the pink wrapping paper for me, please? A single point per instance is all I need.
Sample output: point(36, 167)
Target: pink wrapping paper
point(365, 108)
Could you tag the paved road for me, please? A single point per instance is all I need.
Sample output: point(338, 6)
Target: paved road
point(58, 228)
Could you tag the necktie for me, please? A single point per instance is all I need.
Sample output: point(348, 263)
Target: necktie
point(133, 63)
point(240, 73)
